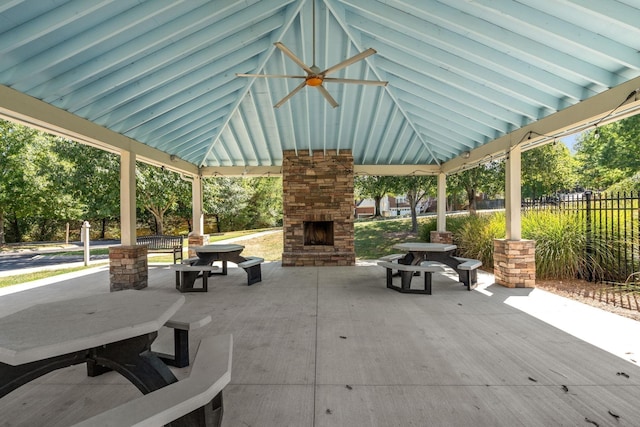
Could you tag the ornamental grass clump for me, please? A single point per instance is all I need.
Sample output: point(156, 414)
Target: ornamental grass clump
point(474, 237)
point(560, 243)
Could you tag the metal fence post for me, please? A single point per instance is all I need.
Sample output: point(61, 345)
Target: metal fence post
point(589, 248)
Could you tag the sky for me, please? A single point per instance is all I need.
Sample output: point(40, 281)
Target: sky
point(570, 141)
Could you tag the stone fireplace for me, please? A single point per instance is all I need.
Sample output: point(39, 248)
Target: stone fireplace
point(318, 208)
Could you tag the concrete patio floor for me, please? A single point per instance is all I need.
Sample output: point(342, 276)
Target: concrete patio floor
point(331, 346)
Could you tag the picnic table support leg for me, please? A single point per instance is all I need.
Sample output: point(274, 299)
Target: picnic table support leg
point(185, 281)
point(469, 278)
point(145, 370)
point(180, 357)
point(390, 278)
point(427, 283)
point(17, 376)
point(207, 415)
point(254, 274)
point(405, 277)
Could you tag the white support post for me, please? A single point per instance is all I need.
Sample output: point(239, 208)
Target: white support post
point(513, 198)
point(128, 198)
point(196, 201)
point(442, 203)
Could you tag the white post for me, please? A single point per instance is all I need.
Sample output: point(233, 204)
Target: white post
point(128, 198)
point(512, 192)
point(196, 202)
point(442, 203)
point(85, 239)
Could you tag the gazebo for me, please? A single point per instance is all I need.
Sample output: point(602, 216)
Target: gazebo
point(352, 87)
point(448, 85)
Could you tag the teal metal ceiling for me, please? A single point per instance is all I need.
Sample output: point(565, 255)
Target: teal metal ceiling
point(461, 73)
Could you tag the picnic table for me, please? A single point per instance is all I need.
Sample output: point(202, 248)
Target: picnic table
point(201, 265)
point(418, 252)
point(443, 253)
point(208, 254)
point(113, 330)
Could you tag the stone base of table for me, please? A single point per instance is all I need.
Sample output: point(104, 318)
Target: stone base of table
point(128, 267)
point(197, 240)
point(441, 237)
point(514, 263)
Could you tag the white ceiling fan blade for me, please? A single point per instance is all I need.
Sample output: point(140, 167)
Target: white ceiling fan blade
point(293, 57)
point(275, 76)
point(327, 96)
point(349, 61)
point(293, 92)
point(356, 81)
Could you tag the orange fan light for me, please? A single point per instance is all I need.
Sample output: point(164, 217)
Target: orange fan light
point(314, 81)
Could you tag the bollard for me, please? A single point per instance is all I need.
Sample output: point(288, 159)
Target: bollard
point(85, 239)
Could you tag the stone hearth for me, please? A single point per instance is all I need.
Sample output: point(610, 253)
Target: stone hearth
point(318, 208)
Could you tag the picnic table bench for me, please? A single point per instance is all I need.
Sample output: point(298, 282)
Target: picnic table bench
point(192, 401)
point(163, 244)
point(466, 268)
point(406, 273)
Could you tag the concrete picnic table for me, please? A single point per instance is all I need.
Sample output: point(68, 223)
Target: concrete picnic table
point(107, 331)
point(208, 254)
point(418, 252)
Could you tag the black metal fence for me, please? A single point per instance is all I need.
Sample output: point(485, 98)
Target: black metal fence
point(611, 228)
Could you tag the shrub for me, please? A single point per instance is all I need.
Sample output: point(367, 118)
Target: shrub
point(424, 233)
point(560, 243)
point(560, 246)
point(474, 236)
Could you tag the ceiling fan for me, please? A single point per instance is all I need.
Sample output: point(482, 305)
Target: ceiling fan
point(315, 77)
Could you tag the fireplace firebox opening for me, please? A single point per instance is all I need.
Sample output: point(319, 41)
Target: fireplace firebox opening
point(318, 233)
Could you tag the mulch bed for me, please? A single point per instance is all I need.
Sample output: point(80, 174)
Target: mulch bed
point(615, 299)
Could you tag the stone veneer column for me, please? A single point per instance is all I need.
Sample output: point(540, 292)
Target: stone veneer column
point(514, 263)
point(196, 240)
point(441, 237)
point(128, 267)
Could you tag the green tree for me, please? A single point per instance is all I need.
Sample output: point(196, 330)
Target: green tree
point(224, 198)
point(416, 188)
point(95, 181)
point(158, 191)
point(35, 189)
point(54, 188)
point(546, 170)
point(373, 187)
point(14, 179)
point(264, 204)
point(609, 155)
point(487, 178)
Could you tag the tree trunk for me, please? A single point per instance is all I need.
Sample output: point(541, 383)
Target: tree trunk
point(2, 240)
point(15, 226)
point(471, 193)
point(103, 231)
point(414, 216)
point(377, 200)
point(414, 219)
point(158, 217)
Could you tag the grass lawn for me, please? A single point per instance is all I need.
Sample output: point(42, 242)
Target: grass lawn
point(29, 277)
